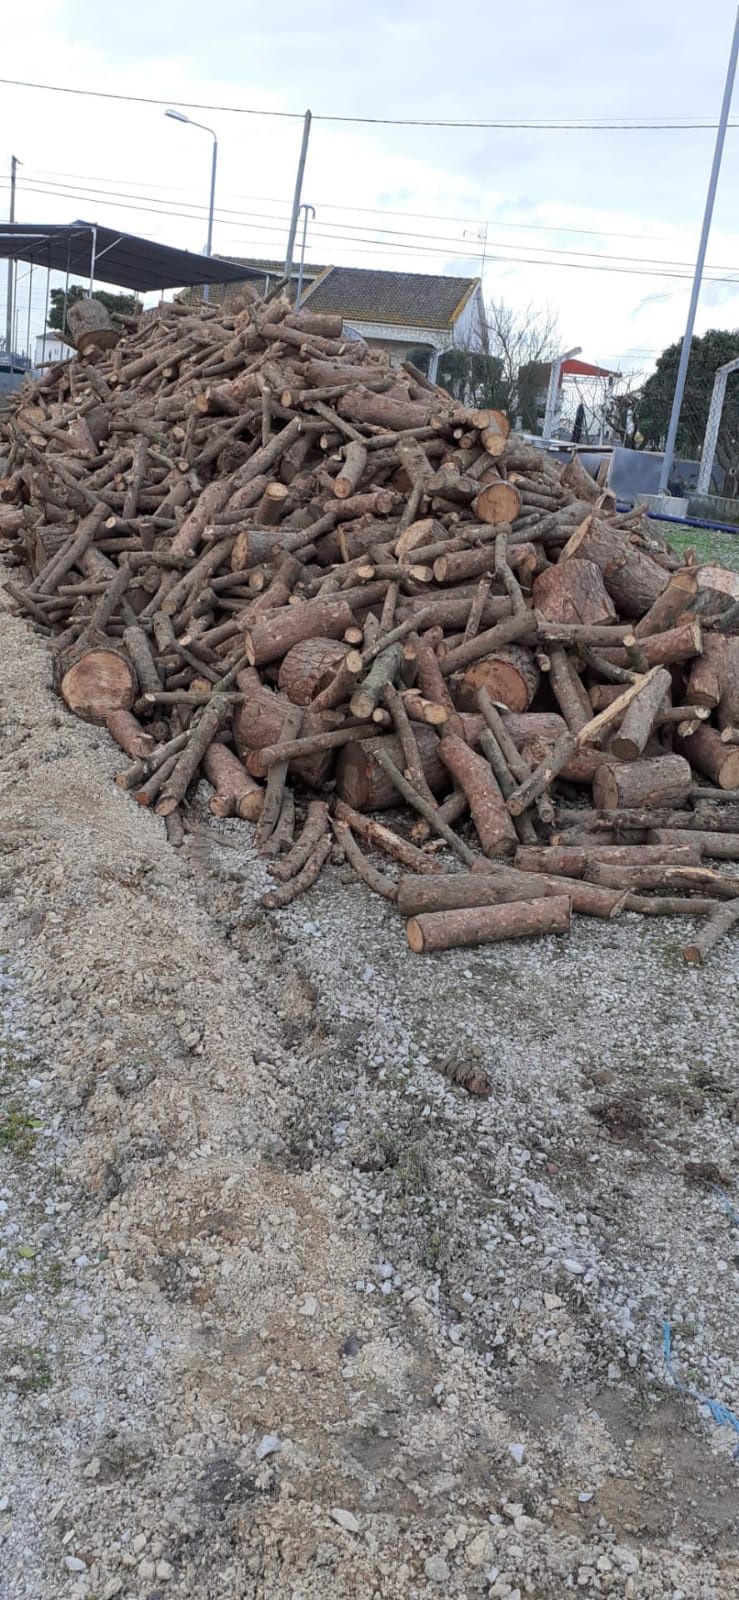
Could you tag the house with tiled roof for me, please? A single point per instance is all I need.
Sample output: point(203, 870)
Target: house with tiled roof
point(411, 315)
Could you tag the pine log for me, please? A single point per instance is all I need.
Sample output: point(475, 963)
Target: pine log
point(569, 690)
point(309, 667)
point(718, 761)
point(385, 839)
point(385, 669)
point(296, 749)
point(90, 325)
point(450, 930)
point(672, 606)
point(718, 846)
point(661, 781)
point(510, 677)
point(259, 721)
point(498, 502)
point(363, 783)
point(375, 880)
point(473, 775)
point(573, 592)
point(632, 577)
point(314, 828)
point(276, 773)
point(573, 861)
point(673, 880)
point(236, 793)
point(433, 687)
point(456, 891)
point(352, 470)
point(129, 734)
point(139, 649)
point(640, 717)
point(201, 736)
point(314, 619)
point(661, 649)
point(512, 630)
point(95, 678)
point(361, 405)
point(722, 921)
point(284, 896)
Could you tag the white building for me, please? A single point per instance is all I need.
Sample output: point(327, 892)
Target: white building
point(51, 348)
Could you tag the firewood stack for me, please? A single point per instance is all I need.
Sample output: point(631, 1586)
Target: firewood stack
point(265, 558)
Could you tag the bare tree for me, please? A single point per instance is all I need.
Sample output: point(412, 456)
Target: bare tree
point(525, 342)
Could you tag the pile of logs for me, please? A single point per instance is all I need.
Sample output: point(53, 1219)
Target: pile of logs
point(264, 558)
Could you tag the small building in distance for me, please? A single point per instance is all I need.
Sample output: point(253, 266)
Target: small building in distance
point(413, 316)
point(51, 347)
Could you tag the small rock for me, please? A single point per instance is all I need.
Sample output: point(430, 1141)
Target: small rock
point(345, 1519)
point(146, 1569)
point(552, 1302)
point(436, 1569)
point(351, 1346)
point(164, 1571)
point(74, 1564)
point(309, 1306)
point(139, 1543)
point(268, 1445)
point(575, 1268)
point(480, 1549)
point(518, 1451)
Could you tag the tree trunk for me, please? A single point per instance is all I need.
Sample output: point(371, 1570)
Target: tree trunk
point(573, 591)
point(661, 649)
point(450, 930)
point(456, 891)
point(671, 606)
point(90, 326)
point(473, 775)
point(633, 579)
point(661, 781)
point(314, 619)
point(309, 667)
point(361, 405)
point(361, 782)
point(510, 676)
point(259, 720)
point(719, 846)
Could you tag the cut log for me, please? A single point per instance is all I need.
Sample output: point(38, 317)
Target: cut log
point(662, 781)
point(309, 667)
point(236, 793)
point(459, 890)
point(718, 761)
point(90, 326)
point(473, 775)
point(375, 880)
point(672, 606)
point(129, 734)
point(569, 690)
point(718, 846)
point(386, 839)
point(673, 880)
point(315, 619)
point(260, 762)
point(510, 676)
point(362, 783)
point(95, 678)
point(722, 921)
point(259, 720)
point(661, 649)
point(632, 577)
point(498, 502)
point(640, 717)
point(352, 470)
point(450, 930)
point(316, 825)
point(573, 861)
point(201, 736)
point(361, 405)
point(573, 591)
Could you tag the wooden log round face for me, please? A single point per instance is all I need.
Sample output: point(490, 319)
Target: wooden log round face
point(510, 676)
point(498, 502)
point(99, 683)
point(309, 667)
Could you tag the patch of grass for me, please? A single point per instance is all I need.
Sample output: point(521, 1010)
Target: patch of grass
point(18, 1130)
point(709, 544)
point(25, 1367)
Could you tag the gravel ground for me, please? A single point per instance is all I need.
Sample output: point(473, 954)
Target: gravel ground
point(287, 1315)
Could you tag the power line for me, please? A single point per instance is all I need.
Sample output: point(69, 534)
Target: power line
point(625, 125)
point(261, 222)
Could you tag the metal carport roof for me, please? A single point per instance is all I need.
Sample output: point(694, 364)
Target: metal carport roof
point(86, 250)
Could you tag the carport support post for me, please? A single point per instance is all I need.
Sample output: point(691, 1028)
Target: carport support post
point(296, 197)
point(682, 370)
point(93, 254)
point(11, 267)
point(713, 424)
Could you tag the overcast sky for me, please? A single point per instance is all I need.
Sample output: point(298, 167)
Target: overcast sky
point(560, 206)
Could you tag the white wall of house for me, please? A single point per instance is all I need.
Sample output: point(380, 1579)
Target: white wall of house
point(55, 349)
point(398, 340)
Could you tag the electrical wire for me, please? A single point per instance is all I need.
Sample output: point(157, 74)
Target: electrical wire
point(625, 125)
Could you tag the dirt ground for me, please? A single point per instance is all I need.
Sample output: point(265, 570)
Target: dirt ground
point(285, 1314)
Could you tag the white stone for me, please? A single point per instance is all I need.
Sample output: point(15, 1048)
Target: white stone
point(575, 1268)
point(164, 1571)
point(480, 1549)
point(345, 1519)
point(268, 1445)
point(73, 1564)
point(309, 1306)
point(552, 1302)
point(436, 1569)
point(518, 1451)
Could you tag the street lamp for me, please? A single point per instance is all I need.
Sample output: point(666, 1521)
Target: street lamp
point(179, 116)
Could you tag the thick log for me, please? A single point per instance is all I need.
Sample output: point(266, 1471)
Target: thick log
point(259, 721)
point(315, 619)
point(632, 577)
point(510, 677)
point(473, 775)
point(573, 592)
point(640, 717)
point(352, 470)
point(95, 678)
point(451, 930)
point(91, 327)
point(309, 667)
point(363, 784)
point(661, 781)
point(386, 410)
point(498, 502)
point(236, 793)
point(718, 761)
point(456, 891)
point(722, 921)
point(661, 649)
point(672, 606)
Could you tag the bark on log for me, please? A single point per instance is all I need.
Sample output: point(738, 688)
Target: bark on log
point(315, 619)
point(363, 784)
point(352, 470)
point(510, 676)
point(633, 579)
point(718, 846)
point(662, 781)
point(569, 691)
point(284, 896)
point(718, 761)
point(662, 649)
point(473, 775)
point(386, 839)
point(314, 828)
point(573, 861)
point(309, 667)
point(450, 930)
point(722, 921)
point(139, 649)
point(672, 606)
point(361, 405)
point(259, 762)
point(129, 734)
point(640, 717)
point(510, 631)
point(236, 793)
point(259, 721)
point(202, 735)
point(375, 880)
point(385, 669)
point(673, 880)
point(573, 592)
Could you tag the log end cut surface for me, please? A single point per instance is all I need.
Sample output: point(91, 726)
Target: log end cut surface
point(99, 683)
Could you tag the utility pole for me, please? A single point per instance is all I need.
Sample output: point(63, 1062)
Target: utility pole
point(309, 211)
point(699, 265)
point(11, 267)
point(296, 197)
